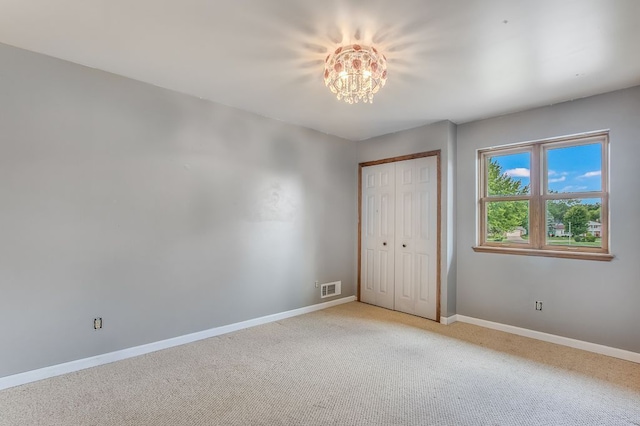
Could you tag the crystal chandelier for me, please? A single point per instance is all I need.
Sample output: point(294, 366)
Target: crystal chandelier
point(355, 73)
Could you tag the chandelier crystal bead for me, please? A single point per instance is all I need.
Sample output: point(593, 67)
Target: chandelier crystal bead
point(354, 73)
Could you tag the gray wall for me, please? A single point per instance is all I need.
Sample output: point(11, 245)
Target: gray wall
point(438, 136)
point(587, 300)
point(166, 215)
point(162, 213)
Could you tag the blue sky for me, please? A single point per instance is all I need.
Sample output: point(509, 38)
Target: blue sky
point(571, 169)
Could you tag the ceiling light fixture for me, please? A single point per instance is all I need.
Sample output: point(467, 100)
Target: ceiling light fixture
point(355, 73)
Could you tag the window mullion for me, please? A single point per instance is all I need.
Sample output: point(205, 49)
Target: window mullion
point(536, 216)
point(604, 201)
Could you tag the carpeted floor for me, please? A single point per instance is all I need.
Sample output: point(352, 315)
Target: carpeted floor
point(354, 364)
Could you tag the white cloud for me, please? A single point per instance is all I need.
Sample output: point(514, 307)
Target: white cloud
point(560, 179)
point(591, 174)
point(518, 172)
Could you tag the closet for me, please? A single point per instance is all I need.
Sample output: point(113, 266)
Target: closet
point(399, 236)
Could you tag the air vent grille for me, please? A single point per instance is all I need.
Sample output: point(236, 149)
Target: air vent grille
point(331, 289)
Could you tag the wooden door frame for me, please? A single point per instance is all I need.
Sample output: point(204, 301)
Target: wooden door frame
point(437, 154)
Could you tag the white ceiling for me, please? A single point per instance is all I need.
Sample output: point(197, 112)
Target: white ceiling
point(448, 59)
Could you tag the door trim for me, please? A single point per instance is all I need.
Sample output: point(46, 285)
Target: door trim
point(435, 153)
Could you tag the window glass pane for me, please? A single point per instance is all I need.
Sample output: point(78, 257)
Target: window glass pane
point(574, 222)
point(508, 174)
point(574, 169)
point(508, 222)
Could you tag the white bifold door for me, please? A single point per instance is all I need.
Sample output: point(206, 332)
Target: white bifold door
point(399, 236)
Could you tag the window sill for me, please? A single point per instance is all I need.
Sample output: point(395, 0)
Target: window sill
point(545, 253)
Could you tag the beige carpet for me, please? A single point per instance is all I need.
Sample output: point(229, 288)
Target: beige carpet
point(354, 364)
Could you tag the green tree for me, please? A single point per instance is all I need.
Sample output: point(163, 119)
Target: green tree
point(505, 216)
point(556, 209)
point(594, 212)
point(578, 218)
point(502, 184)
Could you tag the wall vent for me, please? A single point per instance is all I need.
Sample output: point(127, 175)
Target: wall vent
point(331, 289)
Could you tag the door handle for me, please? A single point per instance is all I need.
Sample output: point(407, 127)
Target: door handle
point(384, 244)
point(404, 245)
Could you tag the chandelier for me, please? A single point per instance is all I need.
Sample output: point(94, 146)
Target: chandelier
point(355, 73)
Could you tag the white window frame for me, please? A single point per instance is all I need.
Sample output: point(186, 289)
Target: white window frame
point(538, 197)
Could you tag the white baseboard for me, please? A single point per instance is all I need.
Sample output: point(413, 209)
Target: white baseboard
point(81, 364)
point(552, 338)
point(448, 320)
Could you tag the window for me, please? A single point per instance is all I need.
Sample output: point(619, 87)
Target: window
point(546, 198)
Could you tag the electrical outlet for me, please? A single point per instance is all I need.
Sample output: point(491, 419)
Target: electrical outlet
point(97, 323)
point(538, 305)
point(317, 284)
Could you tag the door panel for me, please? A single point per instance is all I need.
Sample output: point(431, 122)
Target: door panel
point(369, 215)
point(386, 287)
point(406, 286)
point(416, 225)
point(423, 276)
point(368, 264)
point(427, 243)
point(406, 216)
point(385, 223)
point(378, 216)
point(424, 202)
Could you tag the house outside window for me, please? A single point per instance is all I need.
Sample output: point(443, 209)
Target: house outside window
point(546, 198)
